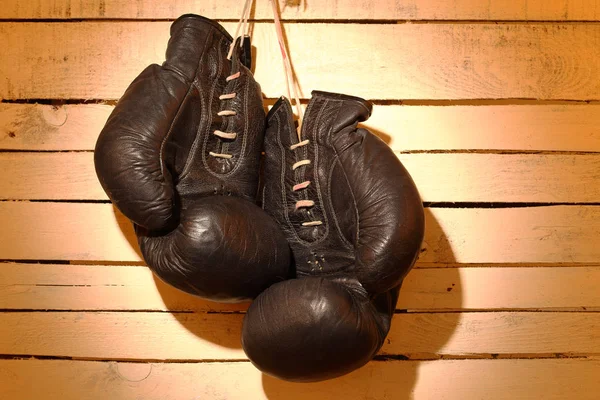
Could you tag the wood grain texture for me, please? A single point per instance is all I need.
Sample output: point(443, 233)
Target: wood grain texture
point(98, 287)
point(503, 301)
point(191, 336)
point(439, 177)
point(404, 128)
point(393, 380)
point(531, 10)
point(461, 61)
point(46, 127)
point(560, 234)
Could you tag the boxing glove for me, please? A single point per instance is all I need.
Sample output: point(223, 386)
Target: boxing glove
point(179, 156)
point(354, 220)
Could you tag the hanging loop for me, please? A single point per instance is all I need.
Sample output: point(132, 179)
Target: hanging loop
point(243, 22)
point(290, 79)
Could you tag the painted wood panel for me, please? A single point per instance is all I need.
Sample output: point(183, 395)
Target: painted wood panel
point(116, 287)
point(564, 234)
point(526, 127)
point(190, 336)
point(531, 10)
point(462, 61)
point(439, 177)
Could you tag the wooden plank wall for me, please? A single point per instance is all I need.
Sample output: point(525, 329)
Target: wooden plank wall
point(493, 106)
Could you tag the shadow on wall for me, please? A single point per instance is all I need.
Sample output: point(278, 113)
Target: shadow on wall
point(181, 305)
point(417, 334)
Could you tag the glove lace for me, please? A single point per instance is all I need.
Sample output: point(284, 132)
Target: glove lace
point(303, 204)
point(228, 96)
point(287, 67)
point(226, 113)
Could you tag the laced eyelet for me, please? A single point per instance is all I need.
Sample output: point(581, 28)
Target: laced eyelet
point(225, 135)
point(226, 113)
point(304, 204)
point(300, 163)
point(312, 223)
point(220, 155)
point(300, 144)
point(300, 186)
point(303, 185)
point(232, 77)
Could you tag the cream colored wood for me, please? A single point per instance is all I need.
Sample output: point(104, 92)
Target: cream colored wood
point(404, 128)
point(45, 127)
point(560, 234)
point(563, 234)
point(531, 10)
point(95, 287)
point(60, 231)
point(439, 177)
point(405, 61)
point(498, 127)
point(114, 287)
point(53, 176)
point(190, 336)
point(542, 288)
point(554, 379)
point(505, 178)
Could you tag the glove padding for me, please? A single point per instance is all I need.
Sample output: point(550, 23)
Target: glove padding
point(179, 156)
point(355, 223)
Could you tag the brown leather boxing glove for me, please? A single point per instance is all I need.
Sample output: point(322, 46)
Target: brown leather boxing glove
point(179, 156)
point(355, 223)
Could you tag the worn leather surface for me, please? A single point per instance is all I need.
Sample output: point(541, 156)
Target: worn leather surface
point(334, 317)
point(195, 215)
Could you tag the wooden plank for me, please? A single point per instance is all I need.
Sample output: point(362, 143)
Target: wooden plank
point(46, 127)
point(49, 176)
point(505, 178)
point(97, 287)
point(393, 380)
point(544, 288)
point(404, 128)
point(439, 177)
point(531, 10)
point(461, 61)
point(498, 127)
point(539, 234)
point(555, 234)
point(150, 336)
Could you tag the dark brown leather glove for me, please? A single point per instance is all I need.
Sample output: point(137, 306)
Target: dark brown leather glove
point(179, 156)
point(355, 222)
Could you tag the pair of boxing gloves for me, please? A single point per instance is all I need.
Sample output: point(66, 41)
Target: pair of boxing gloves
point(339, 225)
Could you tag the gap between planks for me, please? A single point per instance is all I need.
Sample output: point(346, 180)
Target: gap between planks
point(376, 359)
point(353, 21)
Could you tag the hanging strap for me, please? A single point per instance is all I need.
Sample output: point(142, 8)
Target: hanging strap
point(243, 22)
point(290, 79)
